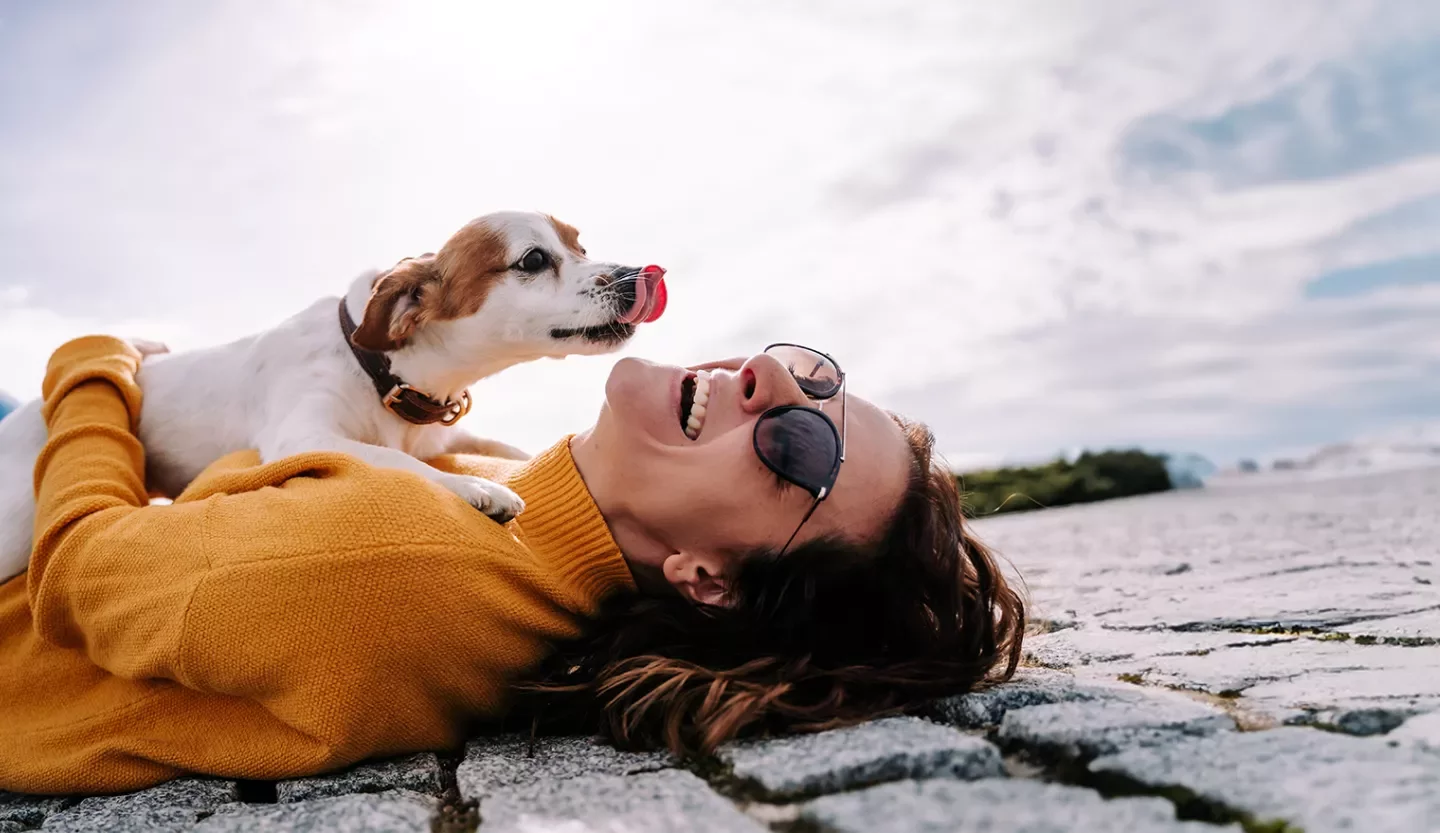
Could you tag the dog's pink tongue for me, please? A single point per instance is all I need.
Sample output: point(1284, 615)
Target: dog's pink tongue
point(651, 297)
point(660, 296)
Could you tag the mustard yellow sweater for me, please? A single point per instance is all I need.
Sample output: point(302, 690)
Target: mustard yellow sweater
point(276, 620)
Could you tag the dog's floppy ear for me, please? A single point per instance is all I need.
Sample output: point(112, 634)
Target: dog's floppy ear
point(398, 304)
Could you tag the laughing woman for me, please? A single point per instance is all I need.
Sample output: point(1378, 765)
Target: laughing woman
point(735, 548)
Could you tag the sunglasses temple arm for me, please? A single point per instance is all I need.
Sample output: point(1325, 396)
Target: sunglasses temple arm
point(815, 504)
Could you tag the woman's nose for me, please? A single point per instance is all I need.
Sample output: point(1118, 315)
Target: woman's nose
point(766, 383)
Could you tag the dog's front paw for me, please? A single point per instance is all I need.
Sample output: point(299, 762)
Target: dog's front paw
point(489, 497)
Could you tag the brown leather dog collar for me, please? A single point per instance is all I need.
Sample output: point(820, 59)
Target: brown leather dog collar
point(404, 401)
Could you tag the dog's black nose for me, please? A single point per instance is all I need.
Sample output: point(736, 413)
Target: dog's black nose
point(622, 282)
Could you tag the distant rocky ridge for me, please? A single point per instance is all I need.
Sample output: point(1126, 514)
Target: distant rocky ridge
point(1065, 479)
point(1415, 446)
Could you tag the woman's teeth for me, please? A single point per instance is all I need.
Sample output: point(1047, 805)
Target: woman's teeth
point(695, 420)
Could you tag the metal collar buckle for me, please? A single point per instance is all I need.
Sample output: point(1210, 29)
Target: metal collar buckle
point(456, 410)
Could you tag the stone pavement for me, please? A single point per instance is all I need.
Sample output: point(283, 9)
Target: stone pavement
point(1257, 657)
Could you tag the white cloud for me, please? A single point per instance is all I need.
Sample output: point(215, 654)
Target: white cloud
point(28, 334)
point(1301, 375)
point(934, 192)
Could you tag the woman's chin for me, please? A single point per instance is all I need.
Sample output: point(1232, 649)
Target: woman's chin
point(643, 400)
point(628, 379)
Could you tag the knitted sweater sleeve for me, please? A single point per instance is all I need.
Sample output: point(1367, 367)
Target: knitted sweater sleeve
point(109, 574)
point(305, 585)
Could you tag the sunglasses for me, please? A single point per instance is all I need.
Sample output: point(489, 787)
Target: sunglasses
point(800, 443)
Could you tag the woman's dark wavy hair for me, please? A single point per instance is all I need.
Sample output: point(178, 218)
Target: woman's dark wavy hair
point(831, 634)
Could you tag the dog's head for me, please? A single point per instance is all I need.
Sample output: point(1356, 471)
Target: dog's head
point(515, 282)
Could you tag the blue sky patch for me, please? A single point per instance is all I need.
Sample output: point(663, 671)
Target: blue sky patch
point(1344, 117)
point(1360, 280)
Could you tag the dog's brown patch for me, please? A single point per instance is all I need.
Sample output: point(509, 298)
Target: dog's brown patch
point(401, 301)
point(447, 285)
point(471, 262)
point(569, 235)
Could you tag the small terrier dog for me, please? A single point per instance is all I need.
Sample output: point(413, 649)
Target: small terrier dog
point(380, 374)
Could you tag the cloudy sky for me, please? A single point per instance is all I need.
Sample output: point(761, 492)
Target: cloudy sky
point(1211, 227)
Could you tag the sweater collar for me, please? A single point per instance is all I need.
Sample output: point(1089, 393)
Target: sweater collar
point(564, 528)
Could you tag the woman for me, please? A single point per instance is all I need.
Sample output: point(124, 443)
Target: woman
point(799, 563)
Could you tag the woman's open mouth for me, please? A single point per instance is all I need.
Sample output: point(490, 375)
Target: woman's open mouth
point(694, 397)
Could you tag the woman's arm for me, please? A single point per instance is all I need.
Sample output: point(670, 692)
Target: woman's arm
point(322, 588)
point(109, 574)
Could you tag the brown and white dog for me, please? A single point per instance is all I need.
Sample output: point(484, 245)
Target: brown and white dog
point(380, 374)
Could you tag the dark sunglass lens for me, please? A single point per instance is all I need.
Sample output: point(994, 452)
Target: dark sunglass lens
point(800, 445)
point(816, 375)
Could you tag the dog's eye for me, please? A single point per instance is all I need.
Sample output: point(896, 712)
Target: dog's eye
point(533, 261)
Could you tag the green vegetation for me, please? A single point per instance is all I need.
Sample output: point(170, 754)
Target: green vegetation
point(1093, 476)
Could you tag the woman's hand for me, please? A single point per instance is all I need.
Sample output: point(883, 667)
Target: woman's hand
point(148, 348)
